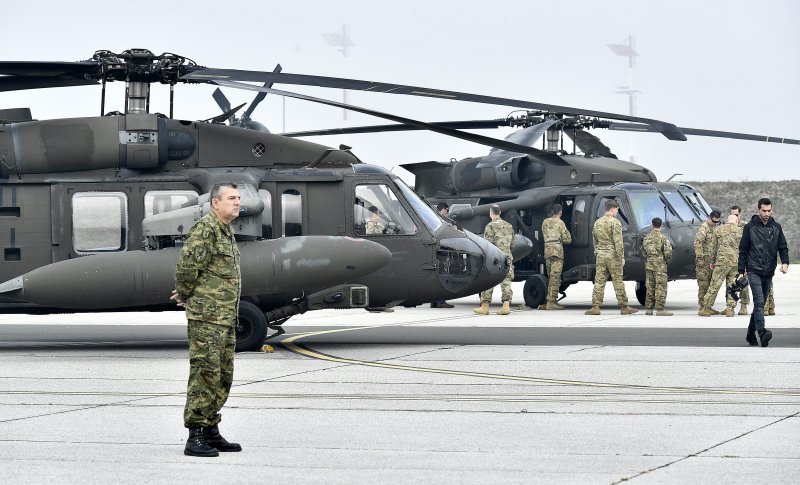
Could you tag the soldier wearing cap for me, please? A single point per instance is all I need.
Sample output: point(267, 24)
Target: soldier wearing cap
point(555, 235)
point(501, 234)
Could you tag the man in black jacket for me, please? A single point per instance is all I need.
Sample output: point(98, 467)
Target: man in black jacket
point(762, 241)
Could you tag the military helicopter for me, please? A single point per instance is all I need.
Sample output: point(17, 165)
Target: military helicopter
point(94, 210)
point(525, 184)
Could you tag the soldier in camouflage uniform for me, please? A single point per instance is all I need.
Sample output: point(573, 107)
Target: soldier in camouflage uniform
point(208, 285)
point(555, 235)
point(658, 252)
point(744, 300)
point(501, 234)
point(703, 253)
point(374, 225)
point(609, 259)
point(725, 263)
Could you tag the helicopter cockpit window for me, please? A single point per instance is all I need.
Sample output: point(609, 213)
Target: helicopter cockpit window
point(266, 215)
point(99, 222)
point(681, 206)
point(158, 201)
point(429, 216)
point(648, 205)
point(292, 213)
point(378, 211)
point(621, 216)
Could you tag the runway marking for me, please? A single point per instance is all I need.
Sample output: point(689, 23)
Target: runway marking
point(292, 345)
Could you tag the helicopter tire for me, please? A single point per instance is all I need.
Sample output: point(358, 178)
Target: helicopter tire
point(641, 292)
point(535, 291)
point(251, 329)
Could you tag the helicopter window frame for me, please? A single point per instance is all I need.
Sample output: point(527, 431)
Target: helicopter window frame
point(151, 197)
point(266, 215)
point(291, 213)
point(110, 208)
point(395, 217)
point(430, 216)
point(621, 213)
point(647, 204)
point(680, 204)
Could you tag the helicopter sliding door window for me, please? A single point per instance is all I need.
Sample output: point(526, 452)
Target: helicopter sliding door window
point(622, 215)
point(99, 222)
point(266, 214)
point(377, 211)
point(158, 201)
point(292, 213)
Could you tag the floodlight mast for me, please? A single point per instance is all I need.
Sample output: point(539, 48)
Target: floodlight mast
point(342, 41)
point(626, 49)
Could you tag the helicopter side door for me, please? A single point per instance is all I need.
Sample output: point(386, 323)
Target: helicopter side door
point(634, 263)
point(25, 228)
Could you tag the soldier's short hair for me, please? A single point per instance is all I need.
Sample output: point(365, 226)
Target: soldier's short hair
point(442, 205)
point(494, 209)
point(764, 201)
point(715, 214)
point(736, 208)
point(611, 203)
point(556, 209)
point(216, 190)
point(656, 222)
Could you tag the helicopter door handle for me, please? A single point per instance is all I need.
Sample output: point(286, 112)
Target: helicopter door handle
point(429, 266)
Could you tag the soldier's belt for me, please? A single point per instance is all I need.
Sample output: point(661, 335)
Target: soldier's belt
point(553, 241)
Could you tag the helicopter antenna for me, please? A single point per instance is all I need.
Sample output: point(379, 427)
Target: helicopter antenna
point(673, 176)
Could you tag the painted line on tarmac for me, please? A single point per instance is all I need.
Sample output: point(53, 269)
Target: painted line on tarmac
point(292, 345)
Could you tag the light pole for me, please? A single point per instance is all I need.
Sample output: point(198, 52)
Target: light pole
point(342, 41)
point(626, 49)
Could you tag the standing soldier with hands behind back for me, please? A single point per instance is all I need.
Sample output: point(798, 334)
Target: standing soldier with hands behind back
point(703, 254)
point(609, 259)
point(555, 235)
point(501, 234)
point(658, 252)
point(208, 284)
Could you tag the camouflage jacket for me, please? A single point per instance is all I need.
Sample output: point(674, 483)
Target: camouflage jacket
point(208, 277)
point(704, 243)
point(501, 234)
point(726, 245)
point(555, 235)
point(374, 227)
point(607, 236)
point(657, 250)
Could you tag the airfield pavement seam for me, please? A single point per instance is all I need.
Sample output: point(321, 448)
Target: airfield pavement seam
point(697, 454)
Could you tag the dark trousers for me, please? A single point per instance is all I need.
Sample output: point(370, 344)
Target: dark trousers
point(759, 288)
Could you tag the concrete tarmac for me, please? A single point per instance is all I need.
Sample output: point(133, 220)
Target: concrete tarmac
point(415, 396)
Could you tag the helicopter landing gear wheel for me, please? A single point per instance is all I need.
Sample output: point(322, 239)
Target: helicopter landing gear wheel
point(535, 292)
point(641, 292)
point(251, 329)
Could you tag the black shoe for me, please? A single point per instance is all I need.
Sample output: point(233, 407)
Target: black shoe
point(443, 304)
point(751, 339)
point(196, 445)
point(216, 440)
point(765, 336)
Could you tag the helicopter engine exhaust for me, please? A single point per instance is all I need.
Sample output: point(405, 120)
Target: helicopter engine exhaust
point(475, 174)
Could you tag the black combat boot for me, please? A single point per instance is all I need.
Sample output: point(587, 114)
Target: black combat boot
point(751, 338)
point(216, 440)
point(197, 445)
point(764, 336)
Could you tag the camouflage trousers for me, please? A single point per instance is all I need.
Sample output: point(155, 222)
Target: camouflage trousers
point(555, 266)
point(656, 285)
point(703, 273)
point(607, 266)
point(211, 349)
point(722, 275)
point(770, 303)
point(505, 288)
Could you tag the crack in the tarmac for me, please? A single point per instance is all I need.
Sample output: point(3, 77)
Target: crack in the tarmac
point(696, 454)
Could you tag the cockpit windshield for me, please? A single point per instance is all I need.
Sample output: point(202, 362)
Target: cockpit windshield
point(681, 206)
point(698, 202)
point(429, 217)
point(649, 205)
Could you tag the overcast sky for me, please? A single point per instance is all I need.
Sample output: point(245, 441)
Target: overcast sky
point(730, 65)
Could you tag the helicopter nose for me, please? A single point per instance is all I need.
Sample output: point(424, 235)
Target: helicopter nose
point(496, 262)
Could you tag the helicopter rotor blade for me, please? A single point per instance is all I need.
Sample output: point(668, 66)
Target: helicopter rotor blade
point(669, 130)
point(19, 83)
point(537, 154)
point(226, 115)
point(455, 125)
point(222, 100)
point(712, 133)
point(260, 96)
point(589, 144)
point(48, 69)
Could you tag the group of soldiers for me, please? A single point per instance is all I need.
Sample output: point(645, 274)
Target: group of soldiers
point(716, 253)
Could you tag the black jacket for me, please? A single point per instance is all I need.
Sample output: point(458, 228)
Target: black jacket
point(761, 243)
